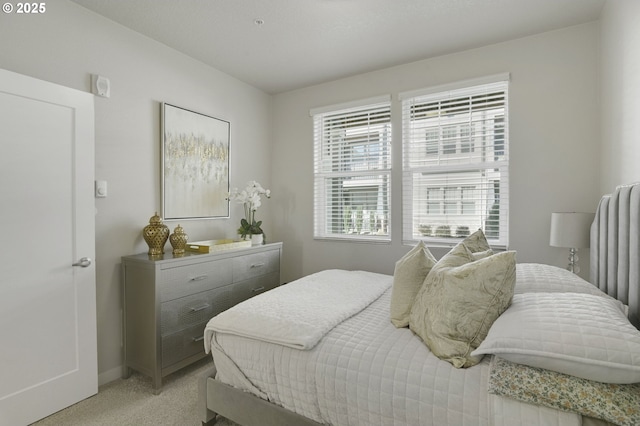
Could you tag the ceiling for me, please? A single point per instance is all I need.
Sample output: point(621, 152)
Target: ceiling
point(282, 45)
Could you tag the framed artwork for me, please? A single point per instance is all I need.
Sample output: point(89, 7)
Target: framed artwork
point(195, 165)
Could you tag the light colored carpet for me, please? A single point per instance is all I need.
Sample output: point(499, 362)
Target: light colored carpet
point(132, 402)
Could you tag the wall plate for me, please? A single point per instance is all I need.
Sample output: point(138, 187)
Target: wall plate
point(100, 86)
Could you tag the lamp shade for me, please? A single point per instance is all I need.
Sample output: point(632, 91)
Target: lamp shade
point(570, 230)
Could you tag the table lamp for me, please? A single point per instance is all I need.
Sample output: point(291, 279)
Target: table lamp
point(571, 230)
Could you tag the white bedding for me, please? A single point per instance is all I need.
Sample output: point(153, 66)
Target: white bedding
point(364, 371)
point(367, 372)
point(299, 314)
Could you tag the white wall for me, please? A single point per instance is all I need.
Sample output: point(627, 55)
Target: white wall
point(68, 43)
point(554, 137)
point(620, 73)
point(555, 133)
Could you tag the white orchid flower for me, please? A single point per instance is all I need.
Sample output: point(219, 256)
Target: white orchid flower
point(250, 197)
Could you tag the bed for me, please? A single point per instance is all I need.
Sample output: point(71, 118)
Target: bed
point(297, 362)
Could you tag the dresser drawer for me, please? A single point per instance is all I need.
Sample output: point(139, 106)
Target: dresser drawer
point(182, 344)
point(182, 313)
point(254, 265)
point(181, 281)
point(169, 300)
point(254, 286)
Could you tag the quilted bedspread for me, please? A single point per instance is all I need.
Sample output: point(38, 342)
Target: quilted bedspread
point(367, 372)
point(299, 314)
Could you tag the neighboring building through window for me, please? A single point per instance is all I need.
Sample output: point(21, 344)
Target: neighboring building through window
point(352, 170)
point(455, 162)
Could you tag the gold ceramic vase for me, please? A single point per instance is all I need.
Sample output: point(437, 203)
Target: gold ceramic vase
point(178, 240)
point(156, 234)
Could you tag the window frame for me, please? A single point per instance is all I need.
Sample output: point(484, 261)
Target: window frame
point(463, 143)
point(352, 167)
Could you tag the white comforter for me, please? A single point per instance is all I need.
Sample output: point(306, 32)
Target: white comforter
point(299, 314)
point(366, 372)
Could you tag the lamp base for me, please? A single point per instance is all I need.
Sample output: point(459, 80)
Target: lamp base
point(573, 261)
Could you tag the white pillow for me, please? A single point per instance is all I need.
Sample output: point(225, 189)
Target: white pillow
point(408, 276)
point(541, 278)
point(582, 335)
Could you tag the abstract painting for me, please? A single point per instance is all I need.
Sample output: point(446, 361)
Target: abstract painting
point(195, 165)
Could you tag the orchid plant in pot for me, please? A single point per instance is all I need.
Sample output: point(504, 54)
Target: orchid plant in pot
point(250, 198)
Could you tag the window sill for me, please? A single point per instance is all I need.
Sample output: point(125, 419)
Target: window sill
point(358, 240)
point(448, 243)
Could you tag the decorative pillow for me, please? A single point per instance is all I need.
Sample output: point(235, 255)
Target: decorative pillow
point(481, 254)
point(582, 335)
point(409, 274)
point(477, 243)
point(460, 299)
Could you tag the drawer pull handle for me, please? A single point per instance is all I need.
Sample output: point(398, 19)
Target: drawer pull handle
point(199, 278)
point(257, 265)
point(257, 290)
point(200, 308)
point(198, 339)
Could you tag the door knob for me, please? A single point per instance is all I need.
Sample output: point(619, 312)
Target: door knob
point(84, 262)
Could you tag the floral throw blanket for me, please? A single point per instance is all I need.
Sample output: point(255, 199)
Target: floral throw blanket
point(617, 404)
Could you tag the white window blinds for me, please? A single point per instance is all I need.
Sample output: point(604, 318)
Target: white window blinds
point(455, 163)
point(352, 172)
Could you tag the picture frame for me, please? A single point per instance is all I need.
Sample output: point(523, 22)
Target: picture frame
point(194, 164)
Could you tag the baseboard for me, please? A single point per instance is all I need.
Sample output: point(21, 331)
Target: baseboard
point(109, 376)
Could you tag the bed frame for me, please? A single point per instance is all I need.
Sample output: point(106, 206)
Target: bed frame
point(241, 407)
point(615, 247)
point(615, 269)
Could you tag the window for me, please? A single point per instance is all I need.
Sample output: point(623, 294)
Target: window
point(352, 171)
point(455, 162)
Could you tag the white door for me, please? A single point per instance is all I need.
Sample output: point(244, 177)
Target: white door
point(48, 349)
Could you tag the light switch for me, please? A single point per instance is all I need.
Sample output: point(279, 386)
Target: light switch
point(101, 189)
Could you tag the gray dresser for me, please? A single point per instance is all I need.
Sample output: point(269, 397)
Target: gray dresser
point(169, 300)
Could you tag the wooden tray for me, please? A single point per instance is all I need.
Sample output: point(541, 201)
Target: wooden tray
point(211, 246)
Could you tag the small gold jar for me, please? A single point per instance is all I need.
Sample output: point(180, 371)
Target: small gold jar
point(156, 234)
point(178, 241)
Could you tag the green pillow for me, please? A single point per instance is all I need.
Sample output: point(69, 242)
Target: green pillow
point(459, 301)
point(408, 276)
